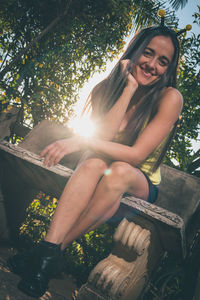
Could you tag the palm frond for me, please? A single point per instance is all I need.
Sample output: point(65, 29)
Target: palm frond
point(176, 4)
point(145, 14)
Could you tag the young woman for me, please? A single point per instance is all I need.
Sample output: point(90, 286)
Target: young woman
point(136, 109)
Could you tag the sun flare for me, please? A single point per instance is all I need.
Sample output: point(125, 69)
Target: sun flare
point(82, 126)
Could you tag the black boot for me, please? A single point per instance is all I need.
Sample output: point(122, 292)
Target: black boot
point(47, 262)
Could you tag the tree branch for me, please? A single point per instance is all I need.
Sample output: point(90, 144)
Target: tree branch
point(24, 50)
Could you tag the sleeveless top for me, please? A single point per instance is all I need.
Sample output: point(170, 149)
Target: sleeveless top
point(147, 165)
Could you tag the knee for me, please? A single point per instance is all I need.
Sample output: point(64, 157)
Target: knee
point(94, 164)
point(121, 169)
point(119, 176)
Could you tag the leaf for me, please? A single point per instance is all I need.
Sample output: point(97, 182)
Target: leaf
point(176, 4)
point(194, 166)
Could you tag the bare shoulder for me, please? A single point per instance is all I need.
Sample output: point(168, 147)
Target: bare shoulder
point(171, 96)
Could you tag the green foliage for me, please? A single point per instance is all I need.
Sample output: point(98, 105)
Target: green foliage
point(176, 4)
point(189, 86)
point(39, 215)
point(46, 77)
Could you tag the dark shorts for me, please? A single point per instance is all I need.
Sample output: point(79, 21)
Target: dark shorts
point(153, 190)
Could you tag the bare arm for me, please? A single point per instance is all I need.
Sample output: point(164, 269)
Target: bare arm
point(108, 128)
point(168, 112)
point(110, 124)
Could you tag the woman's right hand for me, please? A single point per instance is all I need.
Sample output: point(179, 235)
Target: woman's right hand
point(54, 152)
point(127, 66)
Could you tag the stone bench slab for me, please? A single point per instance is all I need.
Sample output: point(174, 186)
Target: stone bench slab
point(179, 193)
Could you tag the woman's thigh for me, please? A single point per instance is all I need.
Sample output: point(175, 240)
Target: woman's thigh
point(130, 179)
point(119, 175)
point(91, 156)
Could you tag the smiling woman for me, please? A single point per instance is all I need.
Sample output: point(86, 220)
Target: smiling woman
point(154, 61)
point(135, 110)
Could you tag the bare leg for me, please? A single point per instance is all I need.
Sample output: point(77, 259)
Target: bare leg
point(85, 203)
point(75, 198)
point(80, 230)
point(107, 196)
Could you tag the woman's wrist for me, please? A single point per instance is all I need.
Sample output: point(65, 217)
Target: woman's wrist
point(84, 142)
point(129, 90)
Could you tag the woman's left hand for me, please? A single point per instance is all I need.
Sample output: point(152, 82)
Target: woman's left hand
point(56, 151)
point(127, 66)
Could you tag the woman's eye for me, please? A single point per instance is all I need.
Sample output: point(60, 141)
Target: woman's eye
point(147, 53)
point(163, 63)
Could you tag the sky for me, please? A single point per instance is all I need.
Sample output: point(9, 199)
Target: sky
point(185, 17)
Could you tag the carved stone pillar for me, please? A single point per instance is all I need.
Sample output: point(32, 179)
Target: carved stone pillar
point(123, 274)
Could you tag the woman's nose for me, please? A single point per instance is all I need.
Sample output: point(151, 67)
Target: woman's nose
point(151, 63)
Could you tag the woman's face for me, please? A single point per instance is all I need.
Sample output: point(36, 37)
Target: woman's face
point(154, 61)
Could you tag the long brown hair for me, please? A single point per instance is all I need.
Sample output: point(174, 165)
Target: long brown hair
point(107, 92)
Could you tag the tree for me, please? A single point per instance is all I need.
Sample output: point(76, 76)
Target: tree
point(178, 3)
point(45, 78)
point(189, 86)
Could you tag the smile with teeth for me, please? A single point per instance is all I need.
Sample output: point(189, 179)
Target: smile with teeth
point(146, 73)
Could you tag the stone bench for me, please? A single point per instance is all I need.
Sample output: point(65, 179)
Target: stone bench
point(146, 230)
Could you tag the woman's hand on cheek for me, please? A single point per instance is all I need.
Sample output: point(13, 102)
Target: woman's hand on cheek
point(54, 152)
point(128, 66)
